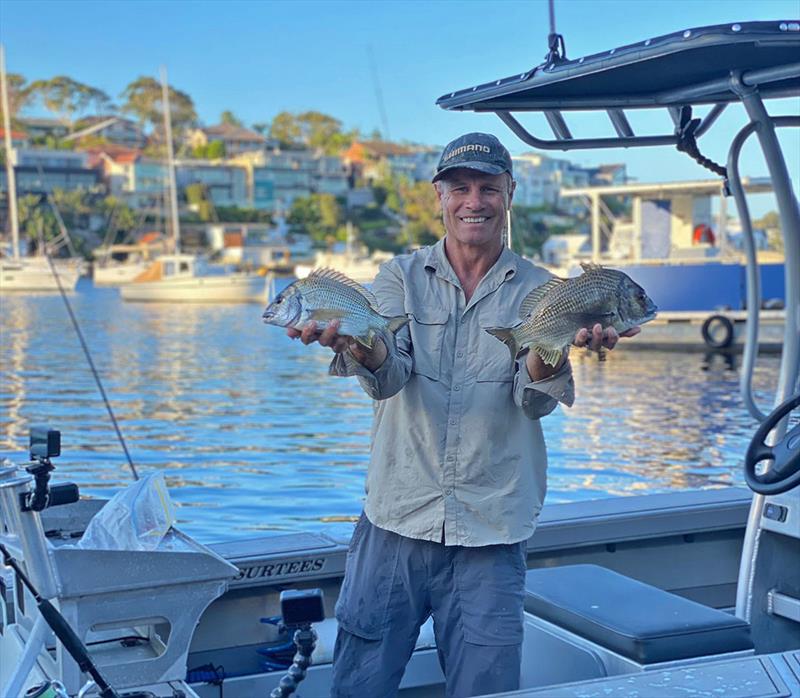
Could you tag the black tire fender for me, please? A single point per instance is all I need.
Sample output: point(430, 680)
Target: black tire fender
point(717, 331)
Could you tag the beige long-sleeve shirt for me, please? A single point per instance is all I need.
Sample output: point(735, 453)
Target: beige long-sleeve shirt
point(456, 439)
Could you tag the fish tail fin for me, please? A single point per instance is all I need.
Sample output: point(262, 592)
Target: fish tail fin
point(506, 336)
point(397, 322)
point(550, 356)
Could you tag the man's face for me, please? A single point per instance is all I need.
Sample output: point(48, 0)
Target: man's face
point(474, 205)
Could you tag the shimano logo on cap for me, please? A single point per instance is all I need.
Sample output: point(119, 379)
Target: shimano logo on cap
point(467, 148)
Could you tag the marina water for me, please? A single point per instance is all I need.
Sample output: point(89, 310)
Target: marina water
point(256, 439)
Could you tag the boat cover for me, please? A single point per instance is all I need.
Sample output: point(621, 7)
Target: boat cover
point(636, 620)
point(691, 66)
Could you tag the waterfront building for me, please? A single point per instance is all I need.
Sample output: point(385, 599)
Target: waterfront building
point(129, 175)
point(113, 129)
point(19, 139)
point(226, 185)
point(235, 139)
point(42, 127)
point(40, 171)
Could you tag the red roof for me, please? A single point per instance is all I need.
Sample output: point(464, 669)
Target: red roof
point(15, 135)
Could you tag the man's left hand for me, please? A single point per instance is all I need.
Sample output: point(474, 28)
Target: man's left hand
point(597, 338)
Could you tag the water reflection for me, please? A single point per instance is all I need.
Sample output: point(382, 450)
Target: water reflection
point(254, 435)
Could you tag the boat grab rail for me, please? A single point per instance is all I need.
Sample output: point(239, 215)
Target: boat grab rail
point(753, 275)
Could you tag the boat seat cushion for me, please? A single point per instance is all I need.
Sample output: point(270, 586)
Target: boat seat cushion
point(636, 620)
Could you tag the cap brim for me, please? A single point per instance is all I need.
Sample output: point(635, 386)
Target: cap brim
point(485, 167)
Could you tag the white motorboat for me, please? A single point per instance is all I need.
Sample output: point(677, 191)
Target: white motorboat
point(183, 278)
point(657, 596)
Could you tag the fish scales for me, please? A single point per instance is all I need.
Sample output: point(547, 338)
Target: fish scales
point(326, 295)
point(553, 313)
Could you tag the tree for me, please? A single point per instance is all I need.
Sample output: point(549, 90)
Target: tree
point(261, 127)
point(285, 129)
point(421, 210)
point(66, 97)
point(228, 117)
point(143, 100)
point(19, 95)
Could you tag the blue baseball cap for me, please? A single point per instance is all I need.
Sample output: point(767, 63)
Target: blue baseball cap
point(474, 151)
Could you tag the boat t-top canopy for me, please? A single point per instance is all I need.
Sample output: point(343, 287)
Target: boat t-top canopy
point(707, 65)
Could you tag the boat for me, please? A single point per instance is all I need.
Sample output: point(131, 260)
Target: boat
point(692, 265)
point(181, 277)
point(658, 595)
point(185, 278)
point(119, 263)
point(22, 273)
point(354, 262)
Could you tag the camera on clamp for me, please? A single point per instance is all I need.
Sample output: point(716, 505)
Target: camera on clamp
point(44, 443)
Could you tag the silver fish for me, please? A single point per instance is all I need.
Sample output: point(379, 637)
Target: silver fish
point(326, 295)
point(553, 313)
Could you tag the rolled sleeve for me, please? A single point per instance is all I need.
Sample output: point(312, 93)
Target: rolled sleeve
point(539, 398)
point(387, 380)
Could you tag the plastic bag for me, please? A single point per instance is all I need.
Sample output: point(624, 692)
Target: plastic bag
point(136, 518)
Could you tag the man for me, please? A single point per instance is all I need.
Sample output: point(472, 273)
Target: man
point(457, 474)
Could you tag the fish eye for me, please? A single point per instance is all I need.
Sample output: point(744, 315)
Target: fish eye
point(279, 300)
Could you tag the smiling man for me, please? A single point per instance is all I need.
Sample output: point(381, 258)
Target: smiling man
point(457, 473)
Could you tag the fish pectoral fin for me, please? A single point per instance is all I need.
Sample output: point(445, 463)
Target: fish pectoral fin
point(550, 356)
point(326, 315)
point(367, 342)
point(396, 323)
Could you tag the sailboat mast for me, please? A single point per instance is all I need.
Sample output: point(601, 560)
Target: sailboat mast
point(10, 174)
point(173, 195)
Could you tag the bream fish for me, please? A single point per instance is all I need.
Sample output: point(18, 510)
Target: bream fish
point(326, 295)
point(553, 313)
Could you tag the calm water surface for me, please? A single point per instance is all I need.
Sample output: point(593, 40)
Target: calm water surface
point(254, 436)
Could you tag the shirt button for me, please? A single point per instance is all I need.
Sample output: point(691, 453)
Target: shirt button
point(448, 491)
point(459, 354)
point(452, 422)
point(525, 403)
point(457, 388)
point(451, 457)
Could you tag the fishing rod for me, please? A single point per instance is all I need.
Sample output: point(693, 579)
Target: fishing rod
point(88, 356)
point(58, 624)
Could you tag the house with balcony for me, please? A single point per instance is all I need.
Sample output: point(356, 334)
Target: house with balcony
point(41, 171)
point(113, 129)
point(19, 139)
point(42, 127)
point(235, 139)
point(140, 181)
point(225, 185)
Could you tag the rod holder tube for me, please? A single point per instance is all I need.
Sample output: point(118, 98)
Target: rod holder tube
point(26, 526)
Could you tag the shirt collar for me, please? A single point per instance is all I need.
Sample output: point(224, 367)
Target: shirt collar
point(504, 268)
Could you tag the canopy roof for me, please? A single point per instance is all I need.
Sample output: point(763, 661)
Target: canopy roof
point(689, 67)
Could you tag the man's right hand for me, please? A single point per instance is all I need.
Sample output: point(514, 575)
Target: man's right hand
point(330, 337)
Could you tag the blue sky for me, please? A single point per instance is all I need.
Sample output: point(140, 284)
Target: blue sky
point(260, 58)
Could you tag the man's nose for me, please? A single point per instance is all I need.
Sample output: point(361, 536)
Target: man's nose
point(475, 198)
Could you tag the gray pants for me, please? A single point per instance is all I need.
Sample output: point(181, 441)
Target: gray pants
point(393, 584)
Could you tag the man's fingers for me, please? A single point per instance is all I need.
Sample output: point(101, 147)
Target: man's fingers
point(329, 334)
point(597, 337)
point(581, 337)
point(309, 333)
point(292, 332)
point(610, 338)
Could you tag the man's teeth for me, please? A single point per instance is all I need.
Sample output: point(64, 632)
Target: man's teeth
point(479, 219)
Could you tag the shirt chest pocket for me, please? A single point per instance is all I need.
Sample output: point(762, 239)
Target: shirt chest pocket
point(494, 358)
point(428, 327)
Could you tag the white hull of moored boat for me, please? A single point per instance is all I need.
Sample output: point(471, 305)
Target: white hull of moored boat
point(116, 274)
point(36, 275)
point(232, 288)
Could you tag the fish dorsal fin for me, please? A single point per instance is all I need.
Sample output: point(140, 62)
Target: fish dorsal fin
point(591, 266)
point(333, 275)
point(532, 299)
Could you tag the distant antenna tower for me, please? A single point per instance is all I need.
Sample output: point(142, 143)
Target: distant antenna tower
point(378, 94)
